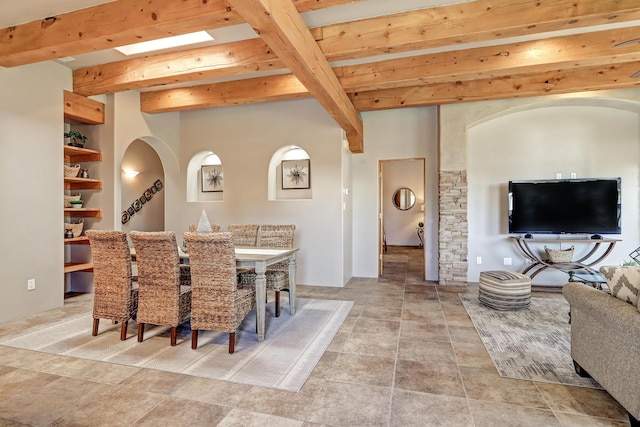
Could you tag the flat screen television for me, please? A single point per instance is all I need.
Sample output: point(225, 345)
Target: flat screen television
point(571, 206)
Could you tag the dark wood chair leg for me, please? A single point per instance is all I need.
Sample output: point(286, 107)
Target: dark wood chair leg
point(232, 342)
point(633, 421)
point(123, 330)
point(174, 335)
point(580, 371)
point(194, 339)
point(140, 332)
point(277, 303)
point(94, 332)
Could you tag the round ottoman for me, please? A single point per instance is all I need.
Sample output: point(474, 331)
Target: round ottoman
point(505, 290)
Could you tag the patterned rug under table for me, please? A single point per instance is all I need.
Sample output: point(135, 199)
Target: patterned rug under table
point(284, 360)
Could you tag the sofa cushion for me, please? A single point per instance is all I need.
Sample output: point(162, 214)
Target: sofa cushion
point(623, 281)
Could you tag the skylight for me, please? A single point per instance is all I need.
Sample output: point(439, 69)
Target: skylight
point(166, 43)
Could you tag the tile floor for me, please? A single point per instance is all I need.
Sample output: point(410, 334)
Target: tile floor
point(407, 355)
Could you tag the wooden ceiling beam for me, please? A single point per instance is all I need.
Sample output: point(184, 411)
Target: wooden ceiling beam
point(119, 23)
point(286, 86)
point(237, 92)
point(394, 33)
point(447, 68)
point(467, 23)
point(544, 55)
point(279, 24)
point(225, 60)
point(582, 79)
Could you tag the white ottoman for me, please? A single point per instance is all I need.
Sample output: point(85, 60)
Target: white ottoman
point(505, 290)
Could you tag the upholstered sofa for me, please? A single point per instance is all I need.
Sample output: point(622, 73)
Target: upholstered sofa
point(605, 334)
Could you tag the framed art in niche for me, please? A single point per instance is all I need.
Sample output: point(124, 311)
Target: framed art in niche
point(296, 174)
point(212, 178)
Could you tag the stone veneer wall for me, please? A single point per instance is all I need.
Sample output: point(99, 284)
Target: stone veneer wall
point(453, 228)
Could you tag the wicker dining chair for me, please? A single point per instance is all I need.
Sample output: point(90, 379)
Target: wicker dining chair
point(164, 286)
point(244, 234)
point(277, 275)
point(218, 303)
point(115, 295)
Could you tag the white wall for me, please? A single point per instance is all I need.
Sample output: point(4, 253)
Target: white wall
point(245, 138)
point(591, 141)
point(401, 226)
point(393, 134)
point(162, 133)
point(31, 188)
point(347, 213)
point(592, 134)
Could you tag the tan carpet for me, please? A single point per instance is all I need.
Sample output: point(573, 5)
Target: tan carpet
point(284, 360)
point(531, 344)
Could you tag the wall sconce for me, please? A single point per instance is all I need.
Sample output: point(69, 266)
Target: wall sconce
point(129, 173)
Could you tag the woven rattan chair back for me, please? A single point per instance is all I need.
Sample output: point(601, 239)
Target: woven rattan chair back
point(194, 228)
point(244, 234)
point(276, 236)
point(163, 284)
point(217, 301)
point(114, 295)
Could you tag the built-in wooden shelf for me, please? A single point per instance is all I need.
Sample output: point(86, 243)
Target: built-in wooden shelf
point(82, 184)
point(77, 154)
point(78, 110)
point(80, 240)
point(83, 212)
point(70, 267)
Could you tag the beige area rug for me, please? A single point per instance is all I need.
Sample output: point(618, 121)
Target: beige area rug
point(283, 361)
point(531, 344)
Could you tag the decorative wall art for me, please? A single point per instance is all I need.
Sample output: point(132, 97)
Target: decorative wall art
point(212, 179)
point(296, 174)
point(138, 204)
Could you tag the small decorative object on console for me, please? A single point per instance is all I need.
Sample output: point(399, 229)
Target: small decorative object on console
point(561, 255)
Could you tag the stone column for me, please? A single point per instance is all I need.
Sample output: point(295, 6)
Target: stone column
point(453, 228)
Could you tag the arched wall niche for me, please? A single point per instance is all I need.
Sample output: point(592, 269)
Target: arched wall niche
point(275, 190)
point(146, 214)
point(194, 178)
point(168, 165)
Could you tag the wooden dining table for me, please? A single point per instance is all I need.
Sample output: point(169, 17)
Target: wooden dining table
point(259, 259)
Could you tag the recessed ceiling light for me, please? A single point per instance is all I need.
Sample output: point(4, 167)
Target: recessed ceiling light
point(168, 42)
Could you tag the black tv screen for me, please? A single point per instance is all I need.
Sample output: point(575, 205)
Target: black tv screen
point(572, 206)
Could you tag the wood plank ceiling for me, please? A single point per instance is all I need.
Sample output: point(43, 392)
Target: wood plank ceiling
point(566, 46)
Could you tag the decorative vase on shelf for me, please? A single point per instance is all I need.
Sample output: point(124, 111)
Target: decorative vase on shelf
point(76, 204)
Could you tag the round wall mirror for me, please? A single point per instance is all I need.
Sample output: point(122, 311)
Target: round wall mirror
point(404, 199)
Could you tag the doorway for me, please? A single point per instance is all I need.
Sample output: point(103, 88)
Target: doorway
point(401, 206)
